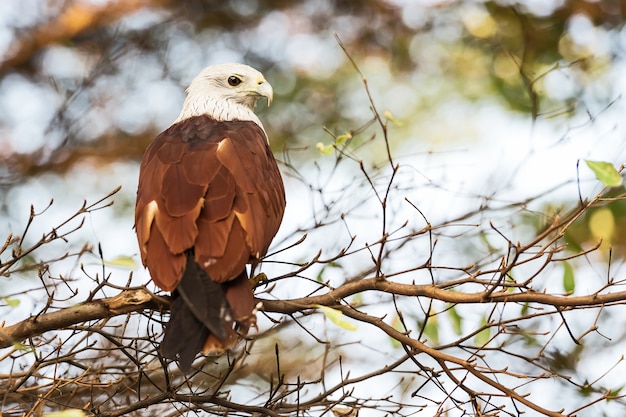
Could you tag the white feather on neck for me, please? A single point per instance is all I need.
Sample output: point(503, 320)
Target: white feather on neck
point(222, 109)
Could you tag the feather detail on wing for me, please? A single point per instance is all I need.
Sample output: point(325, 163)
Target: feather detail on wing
point(208, 187)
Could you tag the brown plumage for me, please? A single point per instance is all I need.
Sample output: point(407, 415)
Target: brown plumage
point(210, 200)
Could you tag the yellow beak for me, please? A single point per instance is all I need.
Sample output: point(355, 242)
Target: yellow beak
point(265, 89)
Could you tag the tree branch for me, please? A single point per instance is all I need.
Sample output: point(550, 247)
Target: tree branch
point(335, 296)
point(127, 301)
point(138, 299)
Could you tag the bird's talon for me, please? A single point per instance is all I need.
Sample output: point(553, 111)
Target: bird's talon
point(257, 279)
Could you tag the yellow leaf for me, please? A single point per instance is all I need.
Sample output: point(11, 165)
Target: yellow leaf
point(122, 262)
point(479, 23)
point(336, 317)
point(389, 117)
point(602, 225)
point(11, 302)
point(324, 149)
point(66, 413)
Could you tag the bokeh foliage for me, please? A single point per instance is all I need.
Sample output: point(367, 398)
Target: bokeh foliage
point(93, 66)
point(84, 87)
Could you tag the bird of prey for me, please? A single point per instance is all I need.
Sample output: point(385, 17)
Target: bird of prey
point(210, 200)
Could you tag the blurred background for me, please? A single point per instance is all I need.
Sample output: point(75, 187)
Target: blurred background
point(508, 95)
point(489, 105)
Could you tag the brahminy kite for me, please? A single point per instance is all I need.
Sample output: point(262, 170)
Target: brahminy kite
point(210, 200)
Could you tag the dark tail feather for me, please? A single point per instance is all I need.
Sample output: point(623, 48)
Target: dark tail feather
point(184, 335)
point(201, 308)
point(205, 298)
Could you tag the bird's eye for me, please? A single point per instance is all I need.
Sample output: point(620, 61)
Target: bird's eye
point(234, 81)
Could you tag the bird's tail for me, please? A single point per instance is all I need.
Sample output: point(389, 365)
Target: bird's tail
point(203, 313)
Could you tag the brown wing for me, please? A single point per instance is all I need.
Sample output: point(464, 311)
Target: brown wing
point(210, 186)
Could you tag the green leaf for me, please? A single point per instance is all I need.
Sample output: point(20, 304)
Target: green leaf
point(320, 275)
point(614, 393)
point(569, 283)
point(357, 300)
point(126, 262)
point(336, 317)
point(11, 302)
point(586, 389)
point(431, 330)
point(396, 323)
point(525, 308)
point(484, 335)
point(341, 139)
point(510, 280)
point(605, 172)
point(456, 320)
point(485, 239)
point(22, 347)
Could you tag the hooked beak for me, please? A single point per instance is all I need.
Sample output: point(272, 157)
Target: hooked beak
point(265, 89)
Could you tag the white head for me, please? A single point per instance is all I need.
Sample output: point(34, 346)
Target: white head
point(226, 92)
